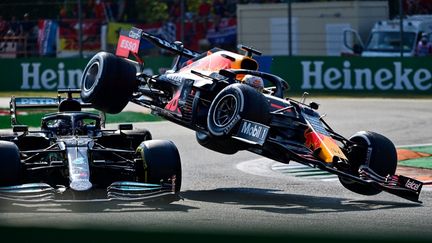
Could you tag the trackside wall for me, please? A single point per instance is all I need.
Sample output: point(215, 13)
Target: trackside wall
point(314, 74)
point(44, 74)
point(356, 75)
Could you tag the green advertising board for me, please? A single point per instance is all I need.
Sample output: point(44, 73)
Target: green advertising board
point(356, 75)
point(49, 74)
point(317, 75)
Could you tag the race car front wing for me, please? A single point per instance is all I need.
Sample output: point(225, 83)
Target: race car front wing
point(398, 185)
point(121, 191)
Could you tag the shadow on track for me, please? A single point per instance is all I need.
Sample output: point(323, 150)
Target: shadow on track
point(270, 200)
point(92, 207)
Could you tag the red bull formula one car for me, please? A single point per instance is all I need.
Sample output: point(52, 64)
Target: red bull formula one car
point(204, 92)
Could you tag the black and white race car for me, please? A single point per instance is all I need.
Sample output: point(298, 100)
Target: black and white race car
point(72, 157)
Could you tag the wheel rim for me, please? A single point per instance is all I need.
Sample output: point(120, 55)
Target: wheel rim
point(91, 76)
point(225, 110)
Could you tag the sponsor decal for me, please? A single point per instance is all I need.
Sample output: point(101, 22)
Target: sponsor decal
point(78, 161)
point(253, 131)
point(413, 185)
point(36, 78)
point(126, 45)
point(232, 124)
point(36, 101)
point(135, 33)
point(50, 74)
point(129, 45)
point(176, 79)
point(396, 77)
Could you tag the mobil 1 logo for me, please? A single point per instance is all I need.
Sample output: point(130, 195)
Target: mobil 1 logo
point(252, 132)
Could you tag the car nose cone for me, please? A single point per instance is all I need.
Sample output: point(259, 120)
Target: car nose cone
point(80, 185)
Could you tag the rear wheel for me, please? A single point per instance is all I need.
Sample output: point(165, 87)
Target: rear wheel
point(108, 82)
point(10, 164)
point(372, 150)
point(233, 103)
point(161, 163)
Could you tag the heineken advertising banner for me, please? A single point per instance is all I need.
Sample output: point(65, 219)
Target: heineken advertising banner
point(316, 75)
point(45, 74)
point(356, 75)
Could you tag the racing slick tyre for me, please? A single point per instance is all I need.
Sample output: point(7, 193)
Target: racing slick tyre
point(375, 151)
point(108, 82)
point(221, 145)
point(161, 162)
point(234, 103)
point(10, 164)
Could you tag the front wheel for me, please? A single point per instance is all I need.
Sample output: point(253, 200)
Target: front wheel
point(374, 151)
point(161, 163)
point(10, 164)
point(108, 82)
point(234, 103)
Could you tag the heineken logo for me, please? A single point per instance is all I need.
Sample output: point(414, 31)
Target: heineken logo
point(36, 77)
point(317, 76)
point(40, 76)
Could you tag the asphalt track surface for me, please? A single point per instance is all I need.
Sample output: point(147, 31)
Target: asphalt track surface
point(241, 193)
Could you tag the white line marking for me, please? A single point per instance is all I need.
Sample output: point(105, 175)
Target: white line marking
point(414, 145)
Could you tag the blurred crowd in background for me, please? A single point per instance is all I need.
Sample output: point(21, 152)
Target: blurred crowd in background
point(50, 28)
point(23, 24)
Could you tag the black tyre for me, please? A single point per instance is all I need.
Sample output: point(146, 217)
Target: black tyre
point(375, 151)
point(221, 145)
point(108, 82)
point(233, 103)
point(161, 162)
point(10, 164)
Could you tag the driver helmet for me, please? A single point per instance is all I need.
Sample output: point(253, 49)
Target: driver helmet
point(80, 127)
point(254, 81)
point(63, 127)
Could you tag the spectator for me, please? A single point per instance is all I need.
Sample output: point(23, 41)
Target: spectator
point(424, 47)
point(111, 10)
point(218, 12)
point(99, 10)
point(175, 11)
point(28, 26)
point(231, 8)
point(15, 27)
point(219, 8)
point(4, 27)
point(204, 10)
point(30, 32)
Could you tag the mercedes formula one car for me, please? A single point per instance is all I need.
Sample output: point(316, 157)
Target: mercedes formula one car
point(72, 158)
point(205, 92)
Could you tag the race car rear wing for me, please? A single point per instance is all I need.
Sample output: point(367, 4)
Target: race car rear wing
point(129, 42)
point(41, 103)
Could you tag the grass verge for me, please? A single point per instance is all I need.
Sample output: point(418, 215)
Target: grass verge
point(34, 119)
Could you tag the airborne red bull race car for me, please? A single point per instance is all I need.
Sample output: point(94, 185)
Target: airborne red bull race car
point(206, 93)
